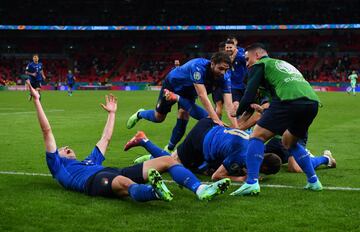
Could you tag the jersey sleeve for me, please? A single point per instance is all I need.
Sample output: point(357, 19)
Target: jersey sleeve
point(196, 74)
point(29, 68)
point(256, 75)
point(232, 164)
point(240, 56)
point(53, 161)
point(226, 87)
point(96, 157)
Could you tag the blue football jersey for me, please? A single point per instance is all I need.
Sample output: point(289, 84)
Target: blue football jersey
point(70, 78)
point(35, 68)
point(195, 71)
point(227, 146)
point(238, 70)
point(73, 174)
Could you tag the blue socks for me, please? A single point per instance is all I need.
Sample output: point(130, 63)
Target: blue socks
point(184, 177)
point(254, 158)
point(148, 115)
point(194, 110)
point(304, 161)
point(319, 160)
point(177, 133)
point(142, 192)
point(154, 150)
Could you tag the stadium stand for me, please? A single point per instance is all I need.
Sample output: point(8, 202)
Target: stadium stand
point(139, 57)
point(170, 12)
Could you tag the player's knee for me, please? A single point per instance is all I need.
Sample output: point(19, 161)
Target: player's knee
point(120, 185)
point(160, 117)
point(167, 162)
point(170, 160)
point(288, 140)
point(183, 114)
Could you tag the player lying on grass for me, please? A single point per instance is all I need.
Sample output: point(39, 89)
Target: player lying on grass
point(90, 177)
point(210, 149)
point(274, 145)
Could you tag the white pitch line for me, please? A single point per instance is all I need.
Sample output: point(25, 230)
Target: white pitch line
point(171, 181)
point(23, 173)
point(29, 112)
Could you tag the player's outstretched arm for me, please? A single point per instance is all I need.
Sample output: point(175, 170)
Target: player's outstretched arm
point(111, 107)
point(49, 139)
point(202, 93)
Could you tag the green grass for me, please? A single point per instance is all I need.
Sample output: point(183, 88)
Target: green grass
point(38, 203)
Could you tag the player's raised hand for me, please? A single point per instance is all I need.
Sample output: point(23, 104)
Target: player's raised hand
point(110, 103)
point(35, 94)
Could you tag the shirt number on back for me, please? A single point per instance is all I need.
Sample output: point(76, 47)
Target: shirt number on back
point(237, 132)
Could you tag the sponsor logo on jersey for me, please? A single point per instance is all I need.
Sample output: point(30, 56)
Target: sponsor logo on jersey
point(285, 67)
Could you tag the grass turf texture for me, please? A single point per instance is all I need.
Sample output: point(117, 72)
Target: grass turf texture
point(38, 203)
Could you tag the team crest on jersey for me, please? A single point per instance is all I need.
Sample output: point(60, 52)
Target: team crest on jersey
point(285, 67)
point(197, 76)
point(104, 181)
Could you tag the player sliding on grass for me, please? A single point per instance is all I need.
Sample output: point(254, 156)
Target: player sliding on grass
point(90, 177)
point(210, 149)
point(293, 107)
point(196, 78)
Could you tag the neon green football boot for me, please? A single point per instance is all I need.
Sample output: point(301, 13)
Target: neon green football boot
point(159, 186)
point(131, 122)
point(142, 159)
point(208, 192)
point(317, 186)
point(247, 189)
point(166, 148)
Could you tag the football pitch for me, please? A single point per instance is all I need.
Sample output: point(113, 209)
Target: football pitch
point(38, 203)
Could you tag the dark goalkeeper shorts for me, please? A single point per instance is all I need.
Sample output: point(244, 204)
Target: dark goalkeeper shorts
point(295, 116)
point(99, 184)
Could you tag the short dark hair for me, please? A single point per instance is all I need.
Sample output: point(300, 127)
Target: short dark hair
point(229, 41)
point(271, 164)
point(231, 37)
point(256, 46)
point(35, 54)
point(219, 57)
